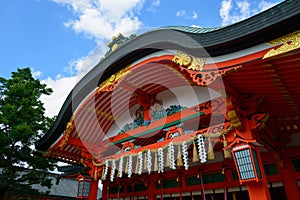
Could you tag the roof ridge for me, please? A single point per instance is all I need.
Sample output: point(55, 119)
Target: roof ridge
point(191, 29)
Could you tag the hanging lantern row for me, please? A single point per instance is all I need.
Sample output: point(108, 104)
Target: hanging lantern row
point(145, 162)
point(144, 159)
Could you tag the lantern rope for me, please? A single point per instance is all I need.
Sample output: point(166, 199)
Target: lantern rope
point(216, 135)
point(149, 161)
point(105, 170)
point(201, 149)
point(113, 168)
point(185, 156)
point(140, 162)
point(171, 155)
point(129, 166)
point(147, 164)
point(160, 160)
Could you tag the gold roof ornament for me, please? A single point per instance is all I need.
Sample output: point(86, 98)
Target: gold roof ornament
point(117, 41)
point(287, 43)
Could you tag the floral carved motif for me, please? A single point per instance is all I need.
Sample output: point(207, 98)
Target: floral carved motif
point(195, 67)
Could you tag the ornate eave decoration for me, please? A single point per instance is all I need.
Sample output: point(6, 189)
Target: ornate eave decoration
point(258, 120)
point(118, 41)
point(67, 133)
point(111, 83)
point(100, 113)
point(287, 43)
point(195, 67)
point(188, 61)
point(155, 154)
point(234, 116)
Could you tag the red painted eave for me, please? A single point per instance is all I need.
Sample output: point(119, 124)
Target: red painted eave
point(274, 80)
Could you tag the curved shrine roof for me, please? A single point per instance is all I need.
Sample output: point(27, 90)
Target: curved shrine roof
point(259, 29)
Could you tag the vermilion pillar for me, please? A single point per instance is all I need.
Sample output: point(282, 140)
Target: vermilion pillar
point(151, 188)
point(104, 190)
point(259, 190)
point(93, 190)
point(287, 174)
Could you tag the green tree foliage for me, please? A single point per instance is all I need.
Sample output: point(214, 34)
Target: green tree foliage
point(22, 122)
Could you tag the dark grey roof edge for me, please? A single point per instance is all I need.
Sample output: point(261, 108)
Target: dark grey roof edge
point(270, 24)
point(280, 20)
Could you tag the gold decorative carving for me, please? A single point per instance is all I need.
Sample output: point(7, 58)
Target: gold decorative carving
point(83, 162)
point(236, 122)
point(288, 43)
point(96, 163)
point(100, 113)
point(195, 67)
point(67, 133)
point(47, 153)
point(234, 116)
point(191, 62)
point(111, 83)
point(114, 47)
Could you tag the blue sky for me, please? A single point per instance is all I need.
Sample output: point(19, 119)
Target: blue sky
point(60, 40)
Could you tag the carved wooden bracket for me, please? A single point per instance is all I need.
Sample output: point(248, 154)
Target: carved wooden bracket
point(257, 120)
point(234, 116)
point(85, 159)
point(195, 67)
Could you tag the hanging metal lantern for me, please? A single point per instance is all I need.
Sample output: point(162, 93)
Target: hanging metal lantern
point(245, 156)
point(246, 162)
point(84, 185)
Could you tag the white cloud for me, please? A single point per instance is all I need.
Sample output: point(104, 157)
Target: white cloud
point(196, 26)
point(244, 7)
point(180, 13)
point(36, 74)
point(74, 5)
point(185, 15)
point(154, 5)
point(101, 19)
point(234, 11)
point(61, 86)
point(225, 10)
point(83, 64)
point(98, 20)
point(264, 5)
point(195, 15)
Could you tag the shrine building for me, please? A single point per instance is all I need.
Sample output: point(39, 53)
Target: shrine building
point(189, 113)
